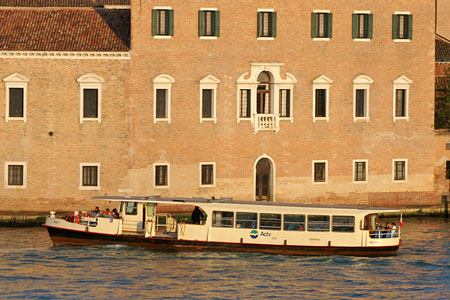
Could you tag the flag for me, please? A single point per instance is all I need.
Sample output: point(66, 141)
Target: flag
point(401, 221)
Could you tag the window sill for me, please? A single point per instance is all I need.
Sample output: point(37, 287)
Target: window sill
point(162, 37)
point(207, 186)
point(7, 119)
point(161, 120)
point(287, 119)
point(402, 40)
point(208, 120)
point(320, 182)
point(401, 119)
point(15, 187)
point(205, 37)
point(244, 119)
point(324, 39)
point(399, 181)
point(359, 182)
point(356, 119)
point(321, 119)
point(161, 187)
point(89, 188)
point(362, 40)
point(266, 38)
point(98, 120)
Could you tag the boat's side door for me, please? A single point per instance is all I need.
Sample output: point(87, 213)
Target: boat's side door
point(150, 220)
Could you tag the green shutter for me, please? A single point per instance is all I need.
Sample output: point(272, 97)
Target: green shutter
point(410, 26)
point(259, 25)
point(200, 23)
point(329, 25)
point(394, 27)
point(354, 26)
point(273, 24)
point(313, 25)
point(171, 22)
point(217, 23)
point(154, 22)
point(370, 26)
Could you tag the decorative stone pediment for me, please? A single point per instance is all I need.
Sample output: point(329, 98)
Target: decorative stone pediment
point(210, 79)
point(402, 80)
point(272, 68)
point(362, 79)
point(16, 77)
point(322, 80)
point(90, 78)
point(164, 78)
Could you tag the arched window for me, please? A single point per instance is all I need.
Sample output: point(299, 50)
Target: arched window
point(263, 97)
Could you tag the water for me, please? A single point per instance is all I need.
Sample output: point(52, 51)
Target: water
point(30, 268)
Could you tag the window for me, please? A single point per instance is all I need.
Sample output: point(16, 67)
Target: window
point(285, 103)
point(320, 171)
point(360, 171)
point(321, 24)
point(245, 107)
point(15, 175)
point(401, 98)
point(402, 23)
point(90, 176)
point(209, 23)
point(270, 221)
point(131, 208)
point(361, 87)
point(208, 91)
point(161, 175)
point(207, 174)
point(246, 220)
point(267, 24)
point(294, 222)
point(362, 23)
point(399, 169)
point(223, 219)
point(318, 223)
point(321, 88)
point(16, 97)
point(162, 85)
point(447, 169)
point(343, 224)
point(162, 22)
point(90, 97)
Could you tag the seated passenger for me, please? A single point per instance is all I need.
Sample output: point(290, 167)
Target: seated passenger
point(115, 213)
point(197, 215)
point(96, 211)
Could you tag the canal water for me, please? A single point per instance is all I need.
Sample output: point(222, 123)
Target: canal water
point(30, 268)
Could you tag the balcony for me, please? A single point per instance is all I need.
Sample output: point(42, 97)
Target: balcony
point(266, 122)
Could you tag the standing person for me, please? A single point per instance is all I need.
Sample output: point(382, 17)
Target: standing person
point(197, 215)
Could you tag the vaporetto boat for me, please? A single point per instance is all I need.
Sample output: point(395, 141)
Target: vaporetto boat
point(231, 225)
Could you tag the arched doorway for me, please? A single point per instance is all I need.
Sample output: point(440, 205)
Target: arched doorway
point(263, 96)
point(263, 180)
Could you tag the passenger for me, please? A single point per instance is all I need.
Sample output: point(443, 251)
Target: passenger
point(96, 211)
point(387, 231)
point(115, 213)
point(394, 230)
point(197, 215)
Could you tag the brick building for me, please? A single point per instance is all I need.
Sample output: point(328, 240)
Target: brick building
point(307, 101)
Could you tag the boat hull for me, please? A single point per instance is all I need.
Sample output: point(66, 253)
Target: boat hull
point(61, 236)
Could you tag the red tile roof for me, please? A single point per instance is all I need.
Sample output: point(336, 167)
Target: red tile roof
point(61, 3)
point(442, 49)
point(66, 29)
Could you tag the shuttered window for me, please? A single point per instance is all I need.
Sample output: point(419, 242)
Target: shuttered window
point(161, 103)
point(402, 25)
point(207, 174)
point(321, 25)
point(162, 22)
point(245, 107)
point(16, 102)
point(207, 103)
point(400, 103)
point(285, 103)
point(15, 174)
point(90, 103)
point(267, 24)
point(321, 103)
point(90, 176)
point(362, 26)
point(208, 23)
point(161, 173)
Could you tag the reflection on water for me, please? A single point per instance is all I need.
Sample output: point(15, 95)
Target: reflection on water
point(30, 268)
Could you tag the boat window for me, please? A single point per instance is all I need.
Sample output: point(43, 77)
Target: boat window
point(246, 220)
point(270, 221)
point(294, 222)
point(318, 223)
point(343, 224)
point(131, 208)
point(223, 219)
point(151, 209)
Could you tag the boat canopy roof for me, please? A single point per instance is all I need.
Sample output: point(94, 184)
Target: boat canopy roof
point(230, 201)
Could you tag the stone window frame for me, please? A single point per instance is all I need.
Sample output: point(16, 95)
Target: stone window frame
point(209, 82)
point(216, 26)
point(393, 169)
point(163, 82)
point(402, 82)
point(16, 80)
point(90, 188)
point(395, 38)
point(321, 82)
point(367, 170)
point(214, 174)
point(91, 81)
point(369, 25)
point(273, 15)
point(326, 171)
point(154, 175)
point(328, 28)
point(362, 82)
point(250, 82)
point(24, 179)
point(170, 25)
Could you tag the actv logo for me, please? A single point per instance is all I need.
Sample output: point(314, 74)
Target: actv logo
point(254, 234)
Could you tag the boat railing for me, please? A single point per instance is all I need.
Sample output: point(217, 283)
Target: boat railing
point(384, 233)
point(165, 223)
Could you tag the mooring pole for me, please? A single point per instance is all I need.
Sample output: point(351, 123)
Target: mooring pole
point(445, 200)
